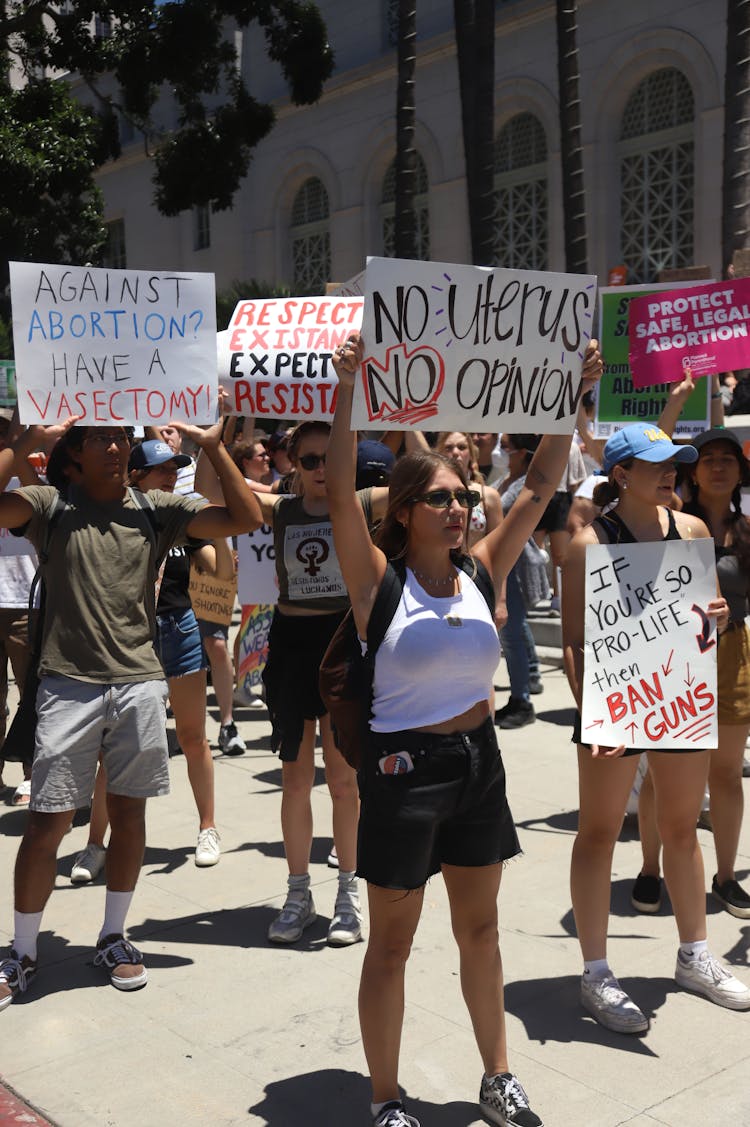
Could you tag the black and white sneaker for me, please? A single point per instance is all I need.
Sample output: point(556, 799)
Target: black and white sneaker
point(15, 975)
point(394, 1115)
point(502, 1100)
point(646, 894)
point(230, 741)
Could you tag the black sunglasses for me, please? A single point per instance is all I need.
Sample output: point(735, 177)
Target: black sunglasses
point(312, 461)
point(442, 498)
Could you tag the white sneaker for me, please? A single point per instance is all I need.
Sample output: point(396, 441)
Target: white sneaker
point(297, 914)
point(207, 851)
point(703, 974)
point(346, 926)
point(606, 1001)
point(88, 864)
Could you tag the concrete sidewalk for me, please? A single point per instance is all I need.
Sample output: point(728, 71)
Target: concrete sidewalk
point(233, 1031)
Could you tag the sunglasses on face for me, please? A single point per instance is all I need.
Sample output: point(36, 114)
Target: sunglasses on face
point(312, 461)
point(106, 440)
point(443, 498)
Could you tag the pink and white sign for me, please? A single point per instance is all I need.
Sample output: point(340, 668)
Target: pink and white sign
point(705, 328)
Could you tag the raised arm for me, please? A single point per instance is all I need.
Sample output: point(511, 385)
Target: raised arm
point(362, 564)
point(241, 511)
point(500, 549)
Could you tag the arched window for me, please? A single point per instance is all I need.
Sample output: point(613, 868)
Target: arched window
point(656, 155)
point(311, 241)
point(421, 210)
point(520, 218)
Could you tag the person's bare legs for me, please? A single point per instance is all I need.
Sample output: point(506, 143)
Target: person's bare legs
point(342, 784)
point(99, 813)
point(649, 834)
point(127, 841)
point(394, 916)
point(36, 863)
point(604, 786)
point(222, 676)
point(188, 698)
point(472, 893)
point(296, 809)
point(679, 786)
point(726, 796)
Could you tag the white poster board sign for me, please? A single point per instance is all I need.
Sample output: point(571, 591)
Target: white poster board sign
point(275, 357)
point(650, 648)
point(11, 545)
point(256, 579)
point(114, 346)
point(469, 348)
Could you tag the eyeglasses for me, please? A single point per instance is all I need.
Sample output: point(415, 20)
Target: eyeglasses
point(312, 461)
point(106, 440)
point(443, 498)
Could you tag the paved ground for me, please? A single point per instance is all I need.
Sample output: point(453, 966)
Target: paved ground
point(231, 1031)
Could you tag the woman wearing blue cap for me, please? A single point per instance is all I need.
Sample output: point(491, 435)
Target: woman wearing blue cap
point(641, 464)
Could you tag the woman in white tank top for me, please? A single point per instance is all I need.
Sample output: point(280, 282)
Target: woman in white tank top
point(433, 788)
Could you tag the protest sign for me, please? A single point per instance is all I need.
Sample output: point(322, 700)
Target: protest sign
point(618, 402)
point(212, 599)
point(468, 347)
point(354, 287)
point(649, 656)
point(253, 647)
point(114, 346)
point(275, 357)
point(705, 328)
point(256, 564)
point(741, 263)
point(685, 274)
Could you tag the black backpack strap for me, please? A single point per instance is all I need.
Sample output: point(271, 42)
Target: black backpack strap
point(476, 571)
point(385, 606)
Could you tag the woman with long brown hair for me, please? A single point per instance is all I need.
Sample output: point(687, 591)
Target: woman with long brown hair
point(432, 782)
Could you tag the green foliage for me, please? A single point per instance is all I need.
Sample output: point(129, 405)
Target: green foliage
point(226, 300)
point(128, 54)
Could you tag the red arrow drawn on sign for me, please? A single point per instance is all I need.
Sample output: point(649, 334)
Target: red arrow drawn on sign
point(667, 669)
point(594, 724)
point(632, 728)
point(688, 679)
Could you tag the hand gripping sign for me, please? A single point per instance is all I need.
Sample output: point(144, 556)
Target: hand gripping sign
point(113, 346)
point(649, 677)
point(275, 359)
point(466, 347)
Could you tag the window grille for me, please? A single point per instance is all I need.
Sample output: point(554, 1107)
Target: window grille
point(520, 213)
point(310, 238)
point(421, 210)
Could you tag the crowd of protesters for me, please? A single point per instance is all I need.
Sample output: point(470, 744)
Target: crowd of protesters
point(472, 531)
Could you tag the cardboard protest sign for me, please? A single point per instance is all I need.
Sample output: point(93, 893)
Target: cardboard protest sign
point(253, 647)
point(706, 328)
point(354, 287)
point(466, 347)
point(114, 346)
point(256, 561)
point(618, 401)
point(649, 658)
point(212, 599)
point(275, 357)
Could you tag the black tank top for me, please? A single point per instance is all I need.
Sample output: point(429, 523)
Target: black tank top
point(617, 532)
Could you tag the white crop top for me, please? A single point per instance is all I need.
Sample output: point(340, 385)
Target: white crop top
point(437, 659)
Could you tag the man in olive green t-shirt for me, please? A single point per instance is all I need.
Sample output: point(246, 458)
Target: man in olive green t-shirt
point(102, 689)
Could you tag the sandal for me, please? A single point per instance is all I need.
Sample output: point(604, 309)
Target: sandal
point(22, 794)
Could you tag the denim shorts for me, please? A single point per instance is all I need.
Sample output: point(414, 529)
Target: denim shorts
point(179, 644)
point(78, 721)
point(450, 809)
point(213, 629)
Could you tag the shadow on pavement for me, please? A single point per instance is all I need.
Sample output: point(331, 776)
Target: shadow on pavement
point(321, 847)
point(333, 1095)
point(551, 1011)
point(229, 927)
point(563, 717)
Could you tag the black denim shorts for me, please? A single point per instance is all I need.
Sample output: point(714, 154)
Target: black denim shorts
point(450, 809)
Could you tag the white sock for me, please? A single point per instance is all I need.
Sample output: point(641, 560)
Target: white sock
point(27, 925)
point(348, 882)
point(116, 907)
point(300, 883)
point(596, 969)
point(695, 949)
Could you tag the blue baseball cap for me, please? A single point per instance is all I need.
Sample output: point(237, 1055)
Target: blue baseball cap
point(155, 453)
point(646, 442)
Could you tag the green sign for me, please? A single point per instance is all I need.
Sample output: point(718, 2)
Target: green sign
point(619, 403)
point(8, 394)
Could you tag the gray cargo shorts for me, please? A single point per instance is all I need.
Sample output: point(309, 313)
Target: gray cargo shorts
point(77, 722)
